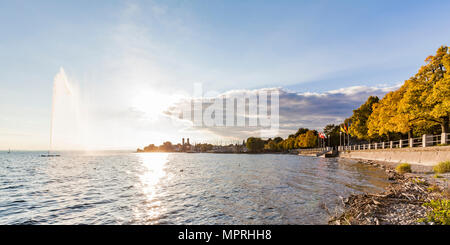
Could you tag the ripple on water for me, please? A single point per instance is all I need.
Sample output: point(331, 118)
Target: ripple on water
point(150, 188)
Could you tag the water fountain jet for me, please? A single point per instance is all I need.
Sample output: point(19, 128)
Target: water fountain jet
point(60, 81)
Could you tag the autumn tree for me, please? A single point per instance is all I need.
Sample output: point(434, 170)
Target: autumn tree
point(422, 102)
point(271, 145)
point(360, 119)
point(428, 95)
point(289, 143)
point(386, 118)
point(307, 140)
point(301, 131)
point(277, 139)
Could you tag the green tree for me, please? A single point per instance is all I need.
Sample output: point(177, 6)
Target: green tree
point(255, 145)
point(332, 132)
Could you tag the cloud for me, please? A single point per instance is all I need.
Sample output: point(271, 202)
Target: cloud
point(315, 110)
point(309, 110)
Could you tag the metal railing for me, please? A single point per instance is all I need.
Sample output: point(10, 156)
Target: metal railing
point(424, 141)
point(314, 150)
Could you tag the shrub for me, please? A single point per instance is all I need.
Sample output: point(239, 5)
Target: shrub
point(440, 213)
point(442, 167)
point(403, 168)
point(418, 181)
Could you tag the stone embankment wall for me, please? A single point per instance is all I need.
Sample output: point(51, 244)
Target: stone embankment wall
point(427, 156)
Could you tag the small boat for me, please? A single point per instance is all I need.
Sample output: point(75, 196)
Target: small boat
point(9, 151)
point(50, 155)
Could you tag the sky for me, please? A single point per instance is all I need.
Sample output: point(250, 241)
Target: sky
point(129, 61)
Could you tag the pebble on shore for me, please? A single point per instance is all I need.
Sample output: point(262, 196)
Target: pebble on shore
point(400, 204)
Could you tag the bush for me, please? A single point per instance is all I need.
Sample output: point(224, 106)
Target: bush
point(442, 167)
point(403, 168)
point(440, 214)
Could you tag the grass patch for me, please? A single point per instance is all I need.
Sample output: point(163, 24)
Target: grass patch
point(440, 213)
point(418, 181)
point(403, 168)
point(437, 176)
point(442, 167)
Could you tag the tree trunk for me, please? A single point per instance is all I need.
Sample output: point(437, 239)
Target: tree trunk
point(410, 134)
point(444, 125)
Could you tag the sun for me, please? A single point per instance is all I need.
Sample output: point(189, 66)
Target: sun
point(151, 103)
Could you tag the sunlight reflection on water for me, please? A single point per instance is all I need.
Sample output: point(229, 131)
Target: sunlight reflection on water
point(152, 172)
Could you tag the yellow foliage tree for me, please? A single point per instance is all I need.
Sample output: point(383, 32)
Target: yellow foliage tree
point(306, 140)
point(423, 99)
point(360, 117)
point(386, 117)
point(428, 95)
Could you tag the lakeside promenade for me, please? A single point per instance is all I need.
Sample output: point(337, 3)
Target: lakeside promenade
point(427, 150)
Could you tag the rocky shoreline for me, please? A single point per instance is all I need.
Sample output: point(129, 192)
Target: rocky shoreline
point(400, 204)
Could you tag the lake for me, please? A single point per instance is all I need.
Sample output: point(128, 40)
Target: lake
point(177, 188)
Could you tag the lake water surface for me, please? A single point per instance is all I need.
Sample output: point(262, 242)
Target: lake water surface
point(177, 188)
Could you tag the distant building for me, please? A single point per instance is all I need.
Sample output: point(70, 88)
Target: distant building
point(185, 146)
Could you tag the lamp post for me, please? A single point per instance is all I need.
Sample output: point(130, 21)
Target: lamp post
point(348, 133)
